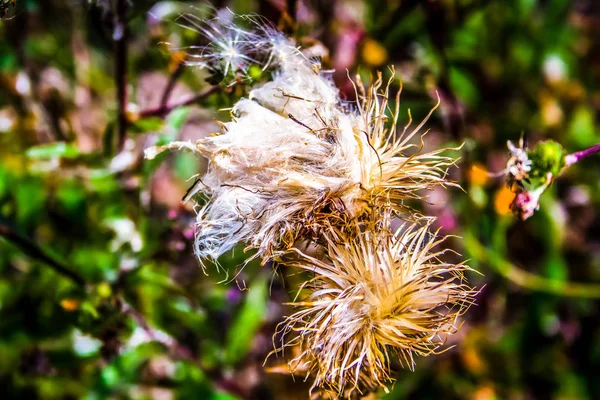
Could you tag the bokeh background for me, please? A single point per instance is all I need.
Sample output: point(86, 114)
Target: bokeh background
point(100, 295)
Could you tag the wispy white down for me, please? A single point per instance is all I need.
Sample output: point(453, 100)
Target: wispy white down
point(295, 159)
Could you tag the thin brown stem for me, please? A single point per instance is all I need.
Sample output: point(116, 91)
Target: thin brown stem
point(30, 248)
point(163, 110)
point(171, 84)
point(120, 35)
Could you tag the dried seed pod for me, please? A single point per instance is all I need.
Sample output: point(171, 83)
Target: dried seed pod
point(373, 298)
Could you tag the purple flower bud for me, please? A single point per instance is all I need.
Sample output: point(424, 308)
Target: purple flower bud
point(525, 204)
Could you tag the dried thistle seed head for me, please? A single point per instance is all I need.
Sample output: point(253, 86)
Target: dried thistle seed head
point(374, 300)
point(296, 160)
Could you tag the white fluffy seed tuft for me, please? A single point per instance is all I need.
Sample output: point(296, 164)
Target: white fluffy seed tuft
point(295, 159)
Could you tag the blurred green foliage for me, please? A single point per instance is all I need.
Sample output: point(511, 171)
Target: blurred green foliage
point(149, 324)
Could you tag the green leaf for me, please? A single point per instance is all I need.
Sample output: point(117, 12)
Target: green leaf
point(147, 275)
point(4, 181)
point(404, 27)
point(255, 72)
point(247, 321)
point(8, 61)
point(177, 117)
point(89, 308)
point(110, 376)
point(467, 40)
point(522, 54)
point(463, 85)
point(145, 125)
point(71, 197)
point(30, 197)
point(103, 181)
point(223, 396)
point(186, 165)
point(556, 267)
point(526, 7)
point(581, 127)
point(57, 149)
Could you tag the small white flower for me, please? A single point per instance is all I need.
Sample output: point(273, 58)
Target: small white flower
point(519, 164)
point(125, 232)
point(85, 345)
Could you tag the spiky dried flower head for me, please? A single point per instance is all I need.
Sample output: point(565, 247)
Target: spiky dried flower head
point(298, 165)
point(295, 159)
point(374, 300)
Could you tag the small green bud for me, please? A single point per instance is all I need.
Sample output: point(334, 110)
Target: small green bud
point(547, 157)
point(255, 72)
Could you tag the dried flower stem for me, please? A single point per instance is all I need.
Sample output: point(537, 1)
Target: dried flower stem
point(30, 248)
point(526, 279)
point(575, 157)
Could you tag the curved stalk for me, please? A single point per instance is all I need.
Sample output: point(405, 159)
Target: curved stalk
point(527, 279)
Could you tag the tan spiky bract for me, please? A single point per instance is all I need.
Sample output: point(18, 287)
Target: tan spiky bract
point(374, 298)
point(398, 172)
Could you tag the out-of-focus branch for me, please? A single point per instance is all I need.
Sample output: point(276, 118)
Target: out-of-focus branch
point(292, 8)
point(171, 84)
point(120, 34)
point(165, 109)
point(527, 279)
point(30, 248)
